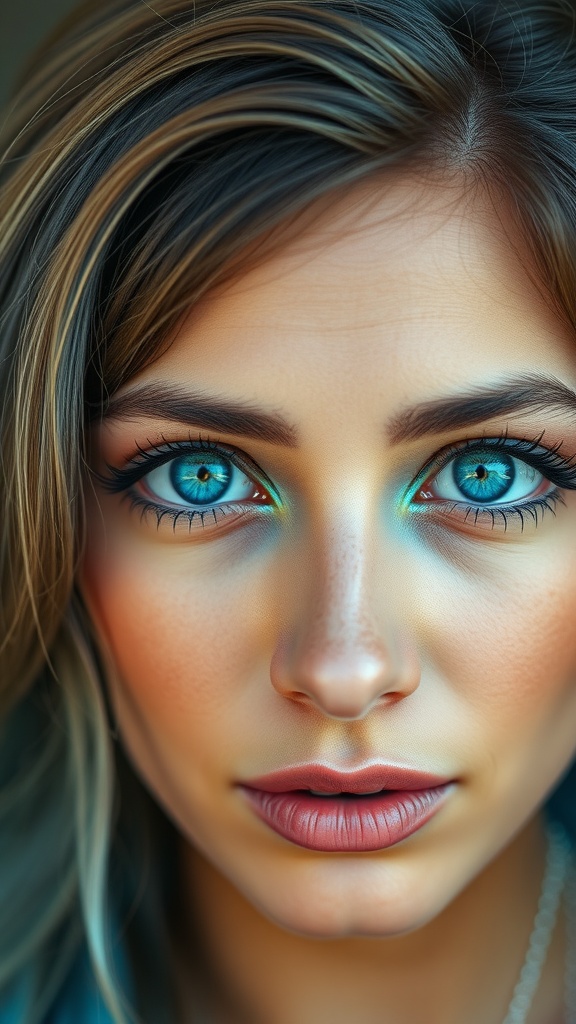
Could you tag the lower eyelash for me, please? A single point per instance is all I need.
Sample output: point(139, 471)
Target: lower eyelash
point(162, 512)
point(506, 512)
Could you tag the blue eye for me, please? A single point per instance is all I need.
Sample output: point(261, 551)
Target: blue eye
point(485, 477)
point(186, 480)
point(198, 479)
point(494, 480)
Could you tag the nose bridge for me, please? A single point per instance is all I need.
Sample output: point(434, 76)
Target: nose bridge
point(344, 648)
point(342, 569)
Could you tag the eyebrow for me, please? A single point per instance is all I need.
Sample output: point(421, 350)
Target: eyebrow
point(528, 392)
point(203, 410)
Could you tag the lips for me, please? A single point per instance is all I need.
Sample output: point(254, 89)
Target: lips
point(369, 809)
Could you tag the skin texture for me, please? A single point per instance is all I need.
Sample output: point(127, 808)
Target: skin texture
point(349, 626)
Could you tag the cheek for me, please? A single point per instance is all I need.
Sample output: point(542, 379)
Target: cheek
point(498, 629)
point(185, 629)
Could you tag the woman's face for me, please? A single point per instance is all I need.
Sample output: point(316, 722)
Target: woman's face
point(388, 577)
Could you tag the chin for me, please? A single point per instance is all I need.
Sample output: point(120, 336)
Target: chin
point(335, 908)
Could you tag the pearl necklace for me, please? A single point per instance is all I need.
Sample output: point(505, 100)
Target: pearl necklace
point(556, 876)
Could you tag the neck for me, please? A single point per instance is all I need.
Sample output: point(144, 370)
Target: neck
point(258, 973)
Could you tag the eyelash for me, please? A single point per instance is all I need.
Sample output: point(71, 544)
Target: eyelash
point(123, 480)
point(554, 467)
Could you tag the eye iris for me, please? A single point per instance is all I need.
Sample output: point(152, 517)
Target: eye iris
point(486, 480)
point(197, 479)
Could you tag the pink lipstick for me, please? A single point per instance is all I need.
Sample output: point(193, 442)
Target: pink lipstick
point(331, 811)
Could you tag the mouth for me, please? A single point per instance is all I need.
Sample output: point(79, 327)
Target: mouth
point(321, 809)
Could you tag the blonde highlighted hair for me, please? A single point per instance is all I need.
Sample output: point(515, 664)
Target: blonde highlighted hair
point(151, 150)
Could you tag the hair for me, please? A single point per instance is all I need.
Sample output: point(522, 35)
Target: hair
point(151, 151)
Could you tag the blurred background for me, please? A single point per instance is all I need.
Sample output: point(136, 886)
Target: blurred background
point(23, 24)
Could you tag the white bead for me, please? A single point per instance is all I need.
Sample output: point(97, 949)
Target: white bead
point(558, 862)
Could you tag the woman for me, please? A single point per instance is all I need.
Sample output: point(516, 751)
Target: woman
point(288, 546)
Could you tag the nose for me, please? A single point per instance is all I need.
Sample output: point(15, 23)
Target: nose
point(346, 650)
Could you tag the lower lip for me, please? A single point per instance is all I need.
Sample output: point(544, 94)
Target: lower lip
point(336, 824)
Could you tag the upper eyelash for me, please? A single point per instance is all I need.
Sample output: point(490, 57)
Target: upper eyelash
point(556, 468)
point(147, 458)
point(546, 458)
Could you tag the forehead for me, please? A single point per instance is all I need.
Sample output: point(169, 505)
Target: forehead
point(422, 286)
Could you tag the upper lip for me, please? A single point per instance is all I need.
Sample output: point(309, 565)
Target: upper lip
point(372, 778)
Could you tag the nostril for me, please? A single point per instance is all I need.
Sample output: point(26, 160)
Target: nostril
point(344, 680)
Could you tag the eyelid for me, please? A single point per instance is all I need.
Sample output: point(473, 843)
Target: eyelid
point(156, 455)
point(558, 469)
point(264, 499)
